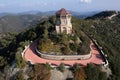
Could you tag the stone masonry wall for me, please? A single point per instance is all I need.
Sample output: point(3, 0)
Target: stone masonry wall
point(64, 57)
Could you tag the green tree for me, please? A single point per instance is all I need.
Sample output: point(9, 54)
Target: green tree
point(66, 50)
point(20, 62)
point(61, 67)
point(80, 74)
point(39, 72)
point(24, 43)
point(73, 47)
point(103, 76)
point(2, 62)
point(52, 20)
point(45, 45)
point(47, 65)
point(92, 72)
point(76, 67)
point(64, 38)
point(1, 76)
point(31, 35)
point(45, 35)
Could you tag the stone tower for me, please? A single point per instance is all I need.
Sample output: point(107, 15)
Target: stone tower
point(63, 22)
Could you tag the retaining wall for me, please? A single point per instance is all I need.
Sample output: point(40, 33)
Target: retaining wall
point(63, 57)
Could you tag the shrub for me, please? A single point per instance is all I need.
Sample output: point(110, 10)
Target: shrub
point(80, 74)
point(20, 62)
point(61, 67)
point(39, 72)
point(45, 45)
point(65, 50)
point(73, 47)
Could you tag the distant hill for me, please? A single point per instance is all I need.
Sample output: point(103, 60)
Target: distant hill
point(103, 15)
point(5, 14)
point(20, 21)
point(49, 13)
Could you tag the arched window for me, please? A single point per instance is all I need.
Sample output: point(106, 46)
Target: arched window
point(63, 17)
point(64, 30)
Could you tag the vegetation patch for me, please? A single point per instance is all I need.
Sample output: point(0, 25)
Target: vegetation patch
point(63, 44)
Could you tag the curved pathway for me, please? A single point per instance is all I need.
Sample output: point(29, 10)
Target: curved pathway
point(30, 55)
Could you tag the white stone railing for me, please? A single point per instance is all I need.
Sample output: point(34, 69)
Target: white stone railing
point(26, 47)
point(63, 57)
point(106, 63)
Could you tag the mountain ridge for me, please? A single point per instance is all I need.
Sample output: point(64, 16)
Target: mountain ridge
point(48, 13)
point(103, 15)
point(19, 21)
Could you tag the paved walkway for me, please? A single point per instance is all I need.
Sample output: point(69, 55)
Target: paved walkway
point(30, 55)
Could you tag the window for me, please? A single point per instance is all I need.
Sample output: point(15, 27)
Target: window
point(63, 17)
point(64, 30)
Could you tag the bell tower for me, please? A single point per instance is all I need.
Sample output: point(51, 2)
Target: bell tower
point(63, 22)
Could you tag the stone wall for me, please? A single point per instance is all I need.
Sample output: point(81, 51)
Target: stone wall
point(63, 57)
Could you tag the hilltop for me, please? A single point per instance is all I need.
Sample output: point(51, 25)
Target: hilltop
point(105, 31)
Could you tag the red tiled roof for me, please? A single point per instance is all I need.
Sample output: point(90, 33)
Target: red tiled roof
point(63, 12)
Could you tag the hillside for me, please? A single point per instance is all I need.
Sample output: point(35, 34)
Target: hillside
point(18, 23)
point(103, 15)
point(105, 31)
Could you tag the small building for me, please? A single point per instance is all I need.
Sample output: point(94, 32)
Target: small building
point(63, 22)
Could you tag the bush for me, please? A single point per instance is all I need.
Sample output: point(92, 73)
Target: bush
point(83, 49)
point(45, 45)
point(39, 72)
point(92, 72)
point(20, 62)
point(61, 67)
point(80, 74)
point(73, 47)
point(103, 76)
point(47, 65)
point(65, 50)
point(76, 67)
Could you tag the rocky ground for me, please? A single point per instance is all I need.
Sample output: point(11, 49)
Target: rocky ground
point(57, 75)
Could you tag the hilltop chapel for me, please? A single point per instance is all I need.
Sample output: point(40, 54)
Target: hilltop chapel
point(63, 22)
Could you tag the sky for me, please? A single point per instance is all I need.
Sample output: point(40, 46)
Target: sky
point(16, 6)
